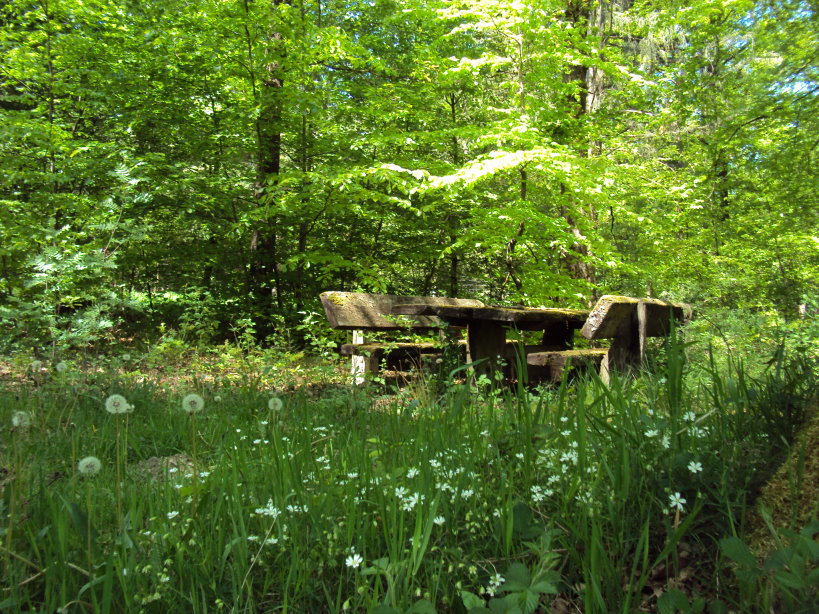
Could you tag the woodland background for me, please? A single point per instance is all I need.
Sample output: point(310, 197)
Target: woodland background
point(211, 166)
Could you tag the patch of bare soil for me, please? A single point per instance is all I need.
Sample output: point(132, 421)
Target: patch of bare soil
point(159, 467)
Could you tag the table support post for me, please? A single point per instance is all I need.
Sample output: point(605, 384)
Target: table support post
point(487, 340)
point(642, 324)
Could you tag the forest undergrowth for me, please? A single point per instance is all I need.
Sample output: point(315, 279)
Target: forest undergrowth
point(280, 487)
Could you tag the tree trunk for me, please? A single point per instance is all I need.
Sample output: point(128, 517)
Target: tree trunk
point(265, 258)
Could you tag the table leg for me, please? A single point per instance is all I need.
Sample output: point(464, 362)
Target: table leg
point(487, 340)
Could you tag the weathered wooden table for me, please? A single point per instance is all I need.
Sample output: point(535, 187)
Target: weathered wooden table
point(628, 322)
point(364, 313)
point(487, 327)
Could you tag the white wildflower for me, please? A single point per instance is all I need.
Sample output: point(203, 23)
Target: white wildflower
point(354, 561)
point(695, 467)
point(269, 510)
point(676, 501)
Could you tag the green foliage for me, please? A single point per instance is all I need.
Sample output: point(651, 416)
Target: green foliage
point(332, 499)
point(250, 155)
point(788, 579)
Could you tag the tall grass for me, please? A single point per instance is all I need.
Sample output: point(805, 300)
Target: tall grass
point(448, 500)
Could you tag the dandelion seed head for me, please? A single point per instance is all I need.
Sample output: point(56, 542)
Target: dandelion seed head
point(21, 419)
point(116, 404)
point(89, 466)
point(275, 404)
point(35, 365)
point(61, 367)
point(193, 403)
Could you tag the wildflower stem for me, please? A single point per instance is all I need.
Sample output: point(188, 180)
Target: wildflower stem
point(118, 485)
point(193, 450)
point(88, 524)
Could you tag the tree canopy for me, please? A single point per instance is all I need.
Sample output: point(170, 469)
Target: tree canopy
point(228, 161)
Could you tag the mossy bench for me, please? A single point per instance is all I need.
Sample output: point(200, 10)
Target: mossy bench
point(365, 313)
point(628, 322)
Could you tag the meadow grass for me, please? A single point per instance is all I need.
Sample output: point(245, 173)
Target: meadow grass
point(448, 498)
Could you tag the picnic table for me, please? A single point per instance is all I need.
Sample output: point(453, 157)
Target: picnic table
point(627, 321)
point(487, 327)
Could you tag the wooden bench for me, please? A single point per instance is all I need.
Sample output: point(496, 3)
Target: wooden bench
point(362, 313)
point(628, 322)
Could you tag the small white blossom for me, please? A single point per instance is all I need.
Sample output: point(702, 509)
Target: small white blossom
point(354, 561)
point(694, 467)
point(269, 510)
point(410, 502)
point(172, 515)
point(439, 520)
point(676, 501)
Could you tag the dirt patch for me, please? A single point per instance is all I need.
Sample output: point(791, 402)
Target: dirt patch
point(161, 467)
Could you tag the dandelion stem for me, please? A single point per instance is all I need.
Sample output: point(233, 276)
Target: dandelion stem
point(119, 483)
point(88, 525)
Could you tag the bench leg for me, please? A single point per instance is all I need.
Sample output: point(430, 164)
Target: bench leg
point(487, 340)
point(360, 366)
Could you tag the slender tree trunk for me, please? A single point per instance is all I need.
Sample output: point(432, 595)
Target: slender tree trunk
point(587, 99)
point(264, 244)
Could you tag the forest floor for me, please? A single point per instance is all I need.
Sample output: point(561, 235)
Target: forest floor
point(577, 499)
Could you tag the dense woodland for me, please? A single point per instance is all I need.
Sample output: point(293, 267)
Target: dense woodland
point(217, 163)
